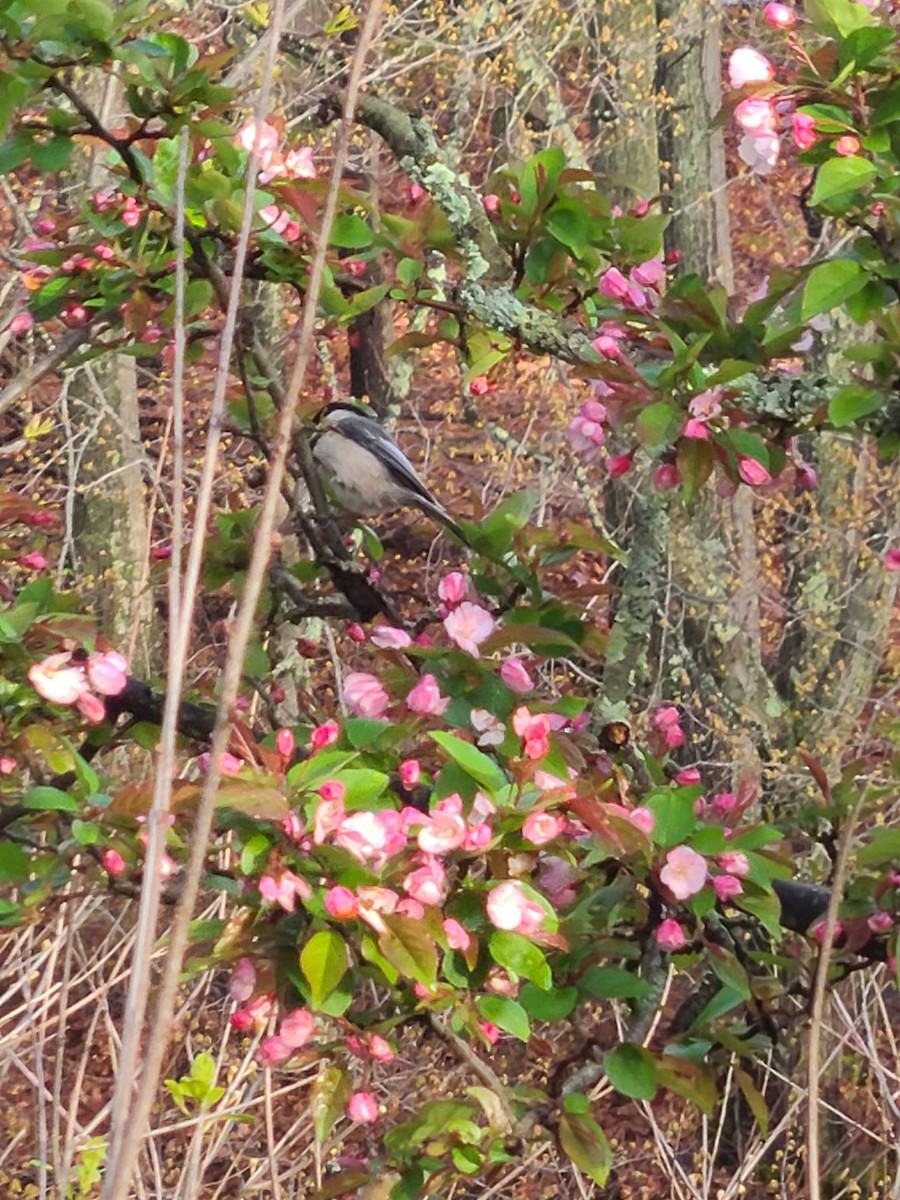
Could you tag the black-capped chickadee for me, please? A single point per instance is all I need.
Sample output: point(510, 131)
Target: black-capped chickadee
point(366, 469)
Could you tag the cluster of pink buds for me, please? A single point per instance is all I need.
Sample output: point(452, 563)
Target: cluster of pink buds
point(62, 679)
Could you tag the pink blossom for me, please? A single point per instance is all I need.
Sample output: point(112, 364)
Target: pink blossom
point(457, 937)
point(108, 673)
point(515, 676)
point(356, 633)
point(648, 274)
point(481, 385)
point(735, 862)
point(91, 707)
point(468, 626)
point(328, 817)
point(7, 765)
point(667, 721)
point(818, 931)
point(779, 16)
point(341, 903)
point(325, 735)
point(696, 430)
point(539, 828)
point(613, 284)
point(666, 477)
point(806, 479)
point(362, 1108)
point(724, 802)
point(35, 561)
point(372, 837)
point(619, 464)
point(428, 885)
point(644, 819)
point(756, 116)
point(333, 791)
point(752, 472)
point(687, 777)
point(241, 1020)
point(727, 887)
point(491, 204)
point(478, 837)
point(607, 347)
point(534, 729)
point(880, 922)
point(670, 935)
point(442, 832)
point(557, 879)
point(296, 1028)
point(847, 145)
point(426, 699)
point(892, 559)
point(707, 405)
point(242, 983)
point(292, 826)
point(381, 1049)
point(388, 637)
point(364, 695)
point(490, 1031)
point(298, 164)
point(413, 909)
point(760, 152)
point(453, 588)
point(373, 901)
point(747, 65)
point(803, 128)
point(113, 861)
point(586, 433)
point(684, 873)
point(273, 1051)
point(284, 889)
point(20, 323)
point(54, 680)
point(415, 193)
point(259, 134)
point(410, 773)
point(508, 907)
point(490, 729)
point(284, 744)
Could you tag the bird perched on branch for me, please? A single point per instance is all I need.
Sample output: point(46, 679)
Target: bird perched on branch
point(366, 470)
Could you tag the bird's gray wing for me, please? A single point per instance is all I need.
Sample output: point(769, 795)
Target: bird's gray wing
point(368, 434)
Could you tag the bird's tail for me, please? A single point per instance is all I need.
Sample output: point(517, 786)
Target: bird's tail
point(433, 509)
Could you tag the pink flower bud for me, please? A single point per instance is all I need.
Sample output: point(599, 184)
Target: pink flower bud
point(847, 145)
point(113, 862)
point(284, 743)
point(453, 588)
point(241, 1020)
point(687, 777)
point(491, 204)
point(515, 676)
point(726, 887)
point(75, 316)
point(457, 937)
point(21, 323)
point(619, 464)
point(779, 16)
point(361, 1107)
point(325, 735)
point(416, 192)
point(341, 903)
point(753, 472)
point(806, 479)
point(7, 765)
point(613, 284)
point(356, 633)
point(242, 983)
point(480, 386)
point(803, 127)
point(880, 922)
point(35, 561)
point(747, 65)
point(670, 935)
point(380, 1049)
point(666, 477)
point(490, 1031)
point(892, 559)
point(410, 773)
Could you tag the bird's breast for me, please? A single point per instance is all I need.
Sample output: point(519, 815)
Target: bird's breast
point(359, 481)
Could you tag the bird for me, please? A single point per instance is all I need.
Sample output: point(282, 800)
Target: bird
point(366, 470)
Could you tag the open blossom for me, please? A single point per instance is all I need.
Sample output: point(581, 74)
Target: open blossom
point(457, 937)
point(242, 983)
point(362, 1108)
point(847, 145)
point(756, 116)
point(708, 404)
point(586, 433)
point(468, 626)
point(284, 889)
point(534, 729)
point(426, 699)
point(670, 935)
point(667, 721)
point(365, 695)
point(56, 680)
point(490, 729)
point(648, 274)
point(539, 828)
point(428, 884)
point(515, 676)
point(388, 637)
point(372, 837)
point(508, 907)
point(760, 152)
point(296, 1028)
point(747, 65)
point(684, 873)
point(443, 830)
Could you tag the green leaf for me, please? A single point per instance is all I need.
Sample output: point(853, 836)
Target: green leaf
point(409, 947)
point(658, 424)
point(613, 983)
point(674, 813)
point(729, 970)
point(837, 16)
point(506, 1014)
point(13, 862)
point(569, 222)
point(754, 1097)
point(829, 284)
point(883, 848)
point(49, 799)
point(476, 764)
point(436, 1118)
point(324, 962)
point(632, 1071)
point(520, 957)
point(554, 1004)
point(724, 1001)
point(850, 403)
point(585, 1143)
point(350, 232)
point(328, 1099)
point(839, 176)
point(408, 270)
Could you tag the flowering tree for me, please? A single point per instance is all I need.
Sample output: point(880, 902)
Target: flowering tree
point(454, 837)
